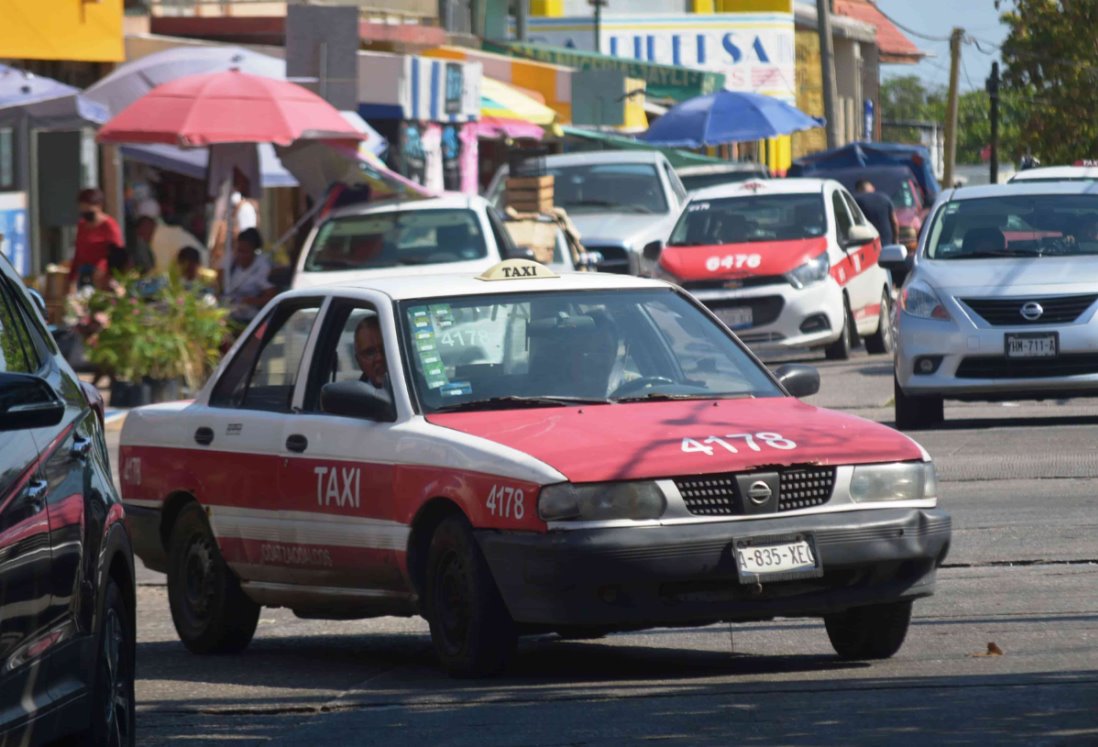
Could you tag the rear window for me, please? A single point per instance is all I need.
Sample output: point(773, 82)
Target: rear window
point(694, 182)
point(396, 238)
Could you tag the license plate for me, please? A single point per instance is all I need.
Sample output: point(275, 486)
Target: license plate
point(1032, 345)
point(736, 317)
point(777, 558)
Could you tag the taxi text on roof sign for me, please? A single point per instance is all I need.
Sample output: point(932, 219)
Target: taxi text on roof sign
point(517, 269)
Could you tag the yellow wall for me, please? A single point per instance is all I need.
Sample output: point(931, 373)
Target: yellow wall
point(80, 30)
point(754, 6)
point(809, 92)
point(547, 8)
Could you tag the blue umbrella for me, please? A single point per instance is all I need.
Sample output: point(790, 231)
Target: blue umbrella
point(45, 102)
point(727, 117)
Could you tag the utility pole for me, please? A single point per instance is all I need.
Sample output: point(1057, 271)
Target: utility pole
point(827, 70)
point(598, 22)
point(993, 95)
point(951, 105)
point(521, 15)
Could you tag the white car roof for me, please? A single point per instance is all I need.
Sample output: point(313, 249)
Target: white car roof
point(449, 200)
point(606, 156)
point(754, 187)
point(1013, 188)
point(404, 287)
point(1052, 173)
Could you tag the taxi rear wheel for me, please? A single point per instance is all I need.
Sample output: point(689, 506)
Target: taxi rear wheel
point(471, 629)
point(210, 612)
point(875, 632)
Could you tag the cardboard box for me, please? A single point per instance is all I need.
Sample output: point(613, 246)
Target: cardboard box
point(538, 236)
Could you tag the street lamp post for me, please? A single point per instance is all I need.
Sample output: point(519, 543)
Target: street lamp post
point(598, 5)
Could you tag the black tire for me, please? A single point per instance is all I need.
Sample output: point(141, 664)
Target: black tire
point(840, 349)
point(211, 614)
point(915, 412)
point(471, 629)
point(875, 632)
point(113, 703)
point(881, 341)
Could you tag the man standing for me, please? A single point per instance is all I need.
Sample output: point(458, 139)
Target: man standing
point(878, 209)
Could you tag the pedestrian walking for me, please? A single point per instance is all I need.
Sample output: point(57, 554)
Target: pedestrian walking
point(878, 209)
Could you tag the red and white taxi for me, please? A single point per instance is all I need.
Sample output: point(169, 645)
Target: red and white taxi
point(786, 263)
point(522, 452)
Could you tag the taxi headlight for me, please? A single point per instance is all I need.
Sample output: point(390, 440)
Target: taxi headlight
point(601, 501)
point(812, 271)
point(906, 481)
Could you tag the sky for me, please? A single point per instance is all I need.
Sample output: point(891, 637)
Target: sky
point(936, 18)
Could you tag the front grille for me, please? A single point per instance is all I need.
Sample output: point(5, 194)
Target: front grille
point(614, 258)
point(735, 283)
point(764, 309)
point(719, 495)
point(760, 338)
point(1008, 311)
point(1000, 367)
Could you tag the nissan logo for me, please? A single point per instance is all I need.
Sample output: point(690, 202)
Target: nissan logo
point(759, 492)
point(1031, 311)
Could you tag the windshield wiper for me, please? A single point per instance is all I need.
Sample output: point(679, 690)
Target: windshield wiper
point(667, 396)
point(515, 401)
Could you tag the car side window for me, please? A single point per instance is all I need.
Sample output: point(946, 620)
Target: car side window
point(17, 353)
point(349, 349)
point(856, 214)
point(676, 183)
point(263, 374)
point(842, 215)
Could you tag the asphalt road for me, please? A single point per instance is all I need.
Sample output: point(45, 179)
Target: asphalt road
point(1021, 480)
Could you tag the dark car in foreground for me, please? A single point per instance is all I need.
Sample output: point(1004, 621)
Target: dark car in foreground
point(66, 563)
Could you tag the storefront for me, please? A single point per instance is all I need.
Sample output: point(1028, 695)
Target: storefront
point(427, 109)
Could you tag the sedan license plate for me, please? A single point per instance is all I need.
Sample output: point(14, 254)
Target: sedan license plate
point(736, 317)
point(1032, 345)
point(777, 558)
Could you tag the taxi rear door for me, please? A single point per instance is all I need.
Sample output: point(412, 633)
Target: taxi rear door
point(338, 475)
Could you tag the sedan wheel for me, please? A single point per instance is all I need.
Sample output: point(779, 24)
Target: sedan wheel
point(914, 412)
point(113, 694)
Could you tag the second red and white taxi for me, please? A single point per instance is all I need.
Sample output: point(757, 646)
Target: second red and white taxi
point(786, 263)
point(521, 452)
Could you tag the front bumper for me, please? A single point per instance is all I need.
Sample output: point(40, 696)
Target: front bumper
point(784, 317)
point(633, 577)
point(971, 360)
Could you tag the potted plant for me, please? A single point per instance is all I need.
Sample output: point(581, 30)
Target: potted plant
point(155, 335)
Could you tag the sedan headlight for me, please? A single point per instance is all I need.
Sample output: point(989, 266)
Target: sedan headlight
point(812, 271)
point(919, 299)
point(601, 501)
point(905, 481)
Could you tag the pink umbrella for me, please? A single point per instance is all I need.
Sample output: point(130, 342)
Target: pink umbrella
point(227, 107)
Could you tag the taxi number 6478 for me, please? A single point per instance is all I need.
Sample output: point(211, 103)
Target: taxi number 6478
point(506, 502)
point(728, 442)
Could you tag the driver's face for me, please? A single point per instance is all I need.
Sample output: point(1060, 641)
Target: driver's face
point(370, 354)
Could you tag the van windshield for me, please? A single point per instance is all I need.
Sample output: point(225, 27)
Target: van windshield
point(396, 238)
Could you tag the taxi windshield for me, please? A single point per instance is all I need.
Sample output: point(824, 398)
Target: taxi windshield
point(556, 348)
point(741, 220)
point(1015, 226)
point(396, 238)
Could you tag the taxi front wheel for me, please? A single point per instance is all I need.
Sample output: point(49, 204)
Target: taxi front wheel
point(471, 628)
point(875, 632)
point(210, 612)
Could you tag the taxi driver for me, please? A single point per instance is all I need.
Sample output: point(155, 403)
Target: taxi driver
point(370, 354)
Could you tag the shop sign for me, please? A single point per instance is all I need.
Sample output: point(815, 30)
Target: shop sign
point(755, 52)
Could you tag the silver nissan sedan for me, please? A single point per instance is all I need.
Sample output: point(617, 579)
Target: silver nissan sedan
point(1000, 302)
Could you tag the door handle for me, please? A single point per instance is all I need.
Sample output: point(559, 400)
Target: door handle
point(204, 436)
point(35, 493)
point(297, 443)
point(81, 447)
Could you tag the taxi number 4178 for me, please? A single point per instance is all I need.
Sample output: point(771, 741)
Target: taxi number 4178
point(506, 502)
point(734, 442)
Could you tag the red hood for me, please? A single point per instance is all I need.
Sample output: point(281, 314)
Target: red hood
point(645, 440)
point(762, 258)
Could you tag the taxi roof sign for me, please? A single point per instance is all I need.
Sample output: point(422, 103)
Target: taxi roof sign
point(517, 269)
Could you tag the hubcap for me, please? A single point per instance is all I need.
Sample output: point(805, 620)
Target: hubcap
point(198, 579)
point(452, 601)
point(117, 705)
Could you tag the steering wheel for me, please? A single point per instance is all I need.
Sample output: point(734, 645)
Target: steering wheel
point(639, 385)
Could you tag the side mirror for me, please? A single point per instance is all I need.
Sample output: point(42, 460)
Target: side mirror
point(353, 399)
point(893, 257)
point(27, 401)
point(652, 251)
point(798, 379)
point(859, 234)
